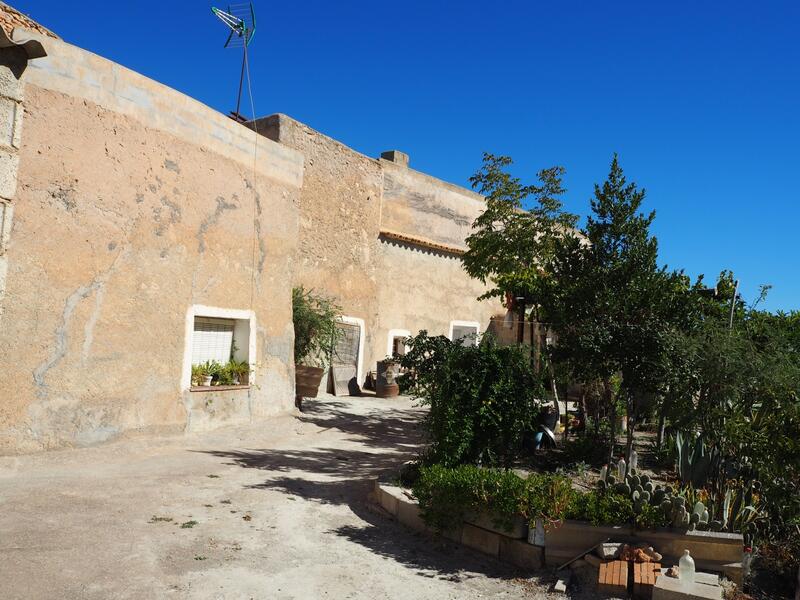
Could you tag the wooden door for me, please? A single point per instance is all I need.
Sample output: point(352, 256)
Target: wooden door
point(344, 364)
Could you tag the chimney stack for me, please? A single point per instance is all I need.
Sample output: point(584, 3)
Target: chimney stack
point(395, 156)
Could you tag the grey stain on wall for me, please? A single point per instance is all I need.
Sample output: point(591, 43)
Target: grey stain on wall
point(211, 220)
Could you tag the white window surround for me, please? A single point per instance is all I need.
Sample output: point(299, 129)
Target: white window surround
point(474, 324)
point(395, 333)
point(199, 310)
point(361, 327)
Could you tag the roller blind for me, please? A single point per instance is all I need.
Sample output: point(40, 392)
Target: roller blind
point(212, 340)
point(465, 334)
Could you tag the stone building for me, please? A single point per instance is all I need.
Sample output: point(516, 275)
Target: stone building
point(141, 232)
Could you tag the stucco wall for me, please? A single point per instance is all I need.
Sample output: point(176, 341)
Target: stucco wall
point(419, 205)
point(346, 201)
point(134, 203)
point(339, 222)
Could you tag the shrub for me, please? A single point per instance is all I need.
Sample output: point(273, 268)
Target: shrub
point(602, 508)
point(483, 399)
point(448, 495)
point(315, 320)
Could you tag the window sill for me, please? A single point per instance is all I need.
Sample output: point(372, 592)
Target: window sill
point(218, 388)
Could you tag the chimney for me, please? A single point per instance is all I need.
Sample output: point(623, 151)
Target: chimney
point(395, 156)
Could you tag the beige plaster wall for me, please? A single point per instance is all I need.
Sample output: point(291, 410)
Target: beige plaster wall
point(134, 203)
point(416, 204)
point(339, 221)
point(346, 200)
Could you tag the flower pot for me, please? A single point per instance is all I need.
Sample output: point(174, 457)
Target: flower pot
point(307, 380)
point(386, 384)
point(207, 380)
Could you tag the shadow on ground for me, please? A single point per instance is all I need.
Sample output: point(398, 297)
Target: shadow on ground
point(375, 442)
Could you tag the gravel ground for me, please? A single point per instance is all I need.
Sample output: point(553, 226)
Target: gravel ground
point(273, 510)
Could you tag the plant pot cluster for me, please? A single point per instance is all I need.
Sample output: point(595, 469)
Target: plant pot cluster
point(214, 373)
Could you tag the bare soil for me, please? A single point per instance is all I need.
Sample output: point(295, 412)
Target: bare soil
point(273, 510)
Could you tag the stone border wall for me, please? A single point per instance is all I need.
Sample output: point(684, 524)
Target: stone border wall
point(517, 552)
point(717, 552)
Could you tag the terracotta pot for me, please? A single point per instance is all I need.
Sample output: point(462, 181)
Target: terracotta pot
point(386, 385)
point(307, 380)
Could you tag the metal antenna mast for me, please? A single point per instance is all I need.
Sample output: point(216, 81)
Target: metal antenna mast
point(241, 20)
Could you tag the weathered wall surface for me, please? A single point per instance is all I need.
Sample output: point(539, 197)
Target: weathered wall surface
point(416, 204)
point(134, 203)
point(339, 221)
point(346, 201)
point(430, 289)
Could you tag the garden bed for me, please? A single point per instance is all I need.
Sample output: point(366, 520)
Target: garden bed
point(566, 540)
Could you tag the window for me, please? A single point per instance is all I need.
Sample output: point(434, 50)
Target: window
point(397, 342)
point(398, 346)
point(465, 332)
point(217, 335)
point(212, 340)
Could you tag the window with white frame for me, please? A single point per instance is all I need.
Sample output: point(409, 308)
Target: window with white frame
point(465, 332)
point(218, 335)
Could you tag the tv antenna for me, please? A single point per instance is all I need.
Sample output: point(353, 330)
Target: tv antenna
point(241, 20)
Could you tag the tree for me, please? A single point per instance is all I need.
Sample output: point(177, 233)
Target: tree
point(511, 246)
point(613, 308)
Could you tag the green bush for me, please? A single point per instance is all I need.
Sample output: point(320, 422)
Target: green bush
point(448, 495)
point(483, 399)
point(315, 319)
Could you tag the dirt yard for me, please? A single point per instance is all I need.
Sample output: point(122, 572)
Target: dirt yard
point(274, 510)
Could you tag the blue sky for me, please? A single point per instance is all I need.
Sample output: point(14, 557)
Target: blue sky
point(700, 99)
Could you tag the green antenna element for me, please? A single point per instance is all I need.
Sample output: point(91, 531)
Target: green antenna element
point(241, 21)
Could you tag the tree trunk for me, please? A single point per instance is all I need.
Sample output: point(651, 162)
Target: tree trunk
point(662, 424)
point(596, 417)
point(631, 410)
point(608, 395)
point(583, 413)
point(521, 324)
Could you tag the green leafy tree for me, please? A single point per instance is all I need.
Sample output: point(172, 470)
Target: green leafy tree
point(511, 245)
point(612, 306)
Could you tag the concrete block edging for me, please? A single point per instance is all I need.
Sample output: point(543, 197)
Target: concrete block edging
point(505, 548)
point(718, 552)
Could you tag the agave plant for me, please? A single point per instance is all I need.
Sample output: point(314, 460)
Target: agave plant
point(695, 462)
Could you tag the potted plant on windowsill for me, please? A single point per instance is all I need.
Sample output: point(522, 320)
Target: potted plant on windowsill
point(239, 372)
point(315, 320)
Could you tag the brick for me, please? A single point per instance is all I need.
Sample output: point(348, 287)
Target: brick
point(10, 86)
point(670, 588)
point(613, 578)
point(521, 554)
point(8, 119)
point(481, 540)
point(9, 164)
point(644, 578)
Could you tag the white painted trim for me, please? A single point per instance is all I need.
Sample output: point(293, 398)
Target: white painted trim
point(474, 324)
point(199, 310)
point(361, 336)
point(393, 333)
